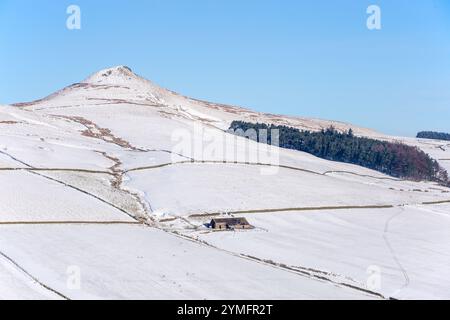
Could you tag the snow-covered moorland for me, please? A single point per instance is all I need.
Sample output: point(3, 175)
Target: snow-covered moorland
point(108, 184)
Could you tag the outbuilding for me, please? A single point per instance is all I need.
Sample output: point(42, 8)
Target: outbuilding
point(230, 224)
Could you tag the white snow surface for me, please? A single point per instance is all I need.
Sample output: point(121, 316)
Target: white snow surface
point(80, 168)
point(346, 244)
point(135, 262)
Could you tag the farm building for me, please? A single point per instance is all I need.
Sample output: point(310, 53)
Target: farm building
point(230, 224)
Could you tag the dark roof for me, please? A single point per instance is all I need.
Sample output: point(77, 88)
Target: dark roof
point(230, 221)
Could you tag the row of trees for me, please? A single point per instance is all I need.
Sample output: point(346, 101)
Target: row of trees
point(395, 159)
point(434, 135)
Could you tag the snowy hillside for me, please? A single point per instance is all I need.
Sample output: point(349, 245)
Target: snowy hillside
point(116, 177)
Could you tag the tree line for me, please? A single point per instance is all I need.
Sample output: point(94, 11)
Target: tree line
point(391, 158)
point(434, 135)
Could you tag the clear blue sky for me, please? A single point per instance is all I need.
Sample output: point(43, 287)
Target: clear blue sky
point(310, 58)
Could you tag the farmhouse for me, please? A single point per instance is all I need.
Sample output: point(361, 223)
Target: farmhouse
point(230, 224)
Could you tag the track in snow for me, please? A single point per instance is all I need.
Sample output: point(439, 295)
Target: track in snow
point(391, 249)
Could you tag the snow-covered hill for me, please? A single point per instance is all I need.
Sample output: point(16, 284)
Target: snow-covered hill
point(92, 175)
point(120, 85)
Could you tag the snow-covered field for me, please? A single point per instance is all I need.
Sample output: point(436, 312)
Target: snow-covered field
point(114, 176)
point(347, 244)
point(51, 201)
point(207, 188)
point(137, 262)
